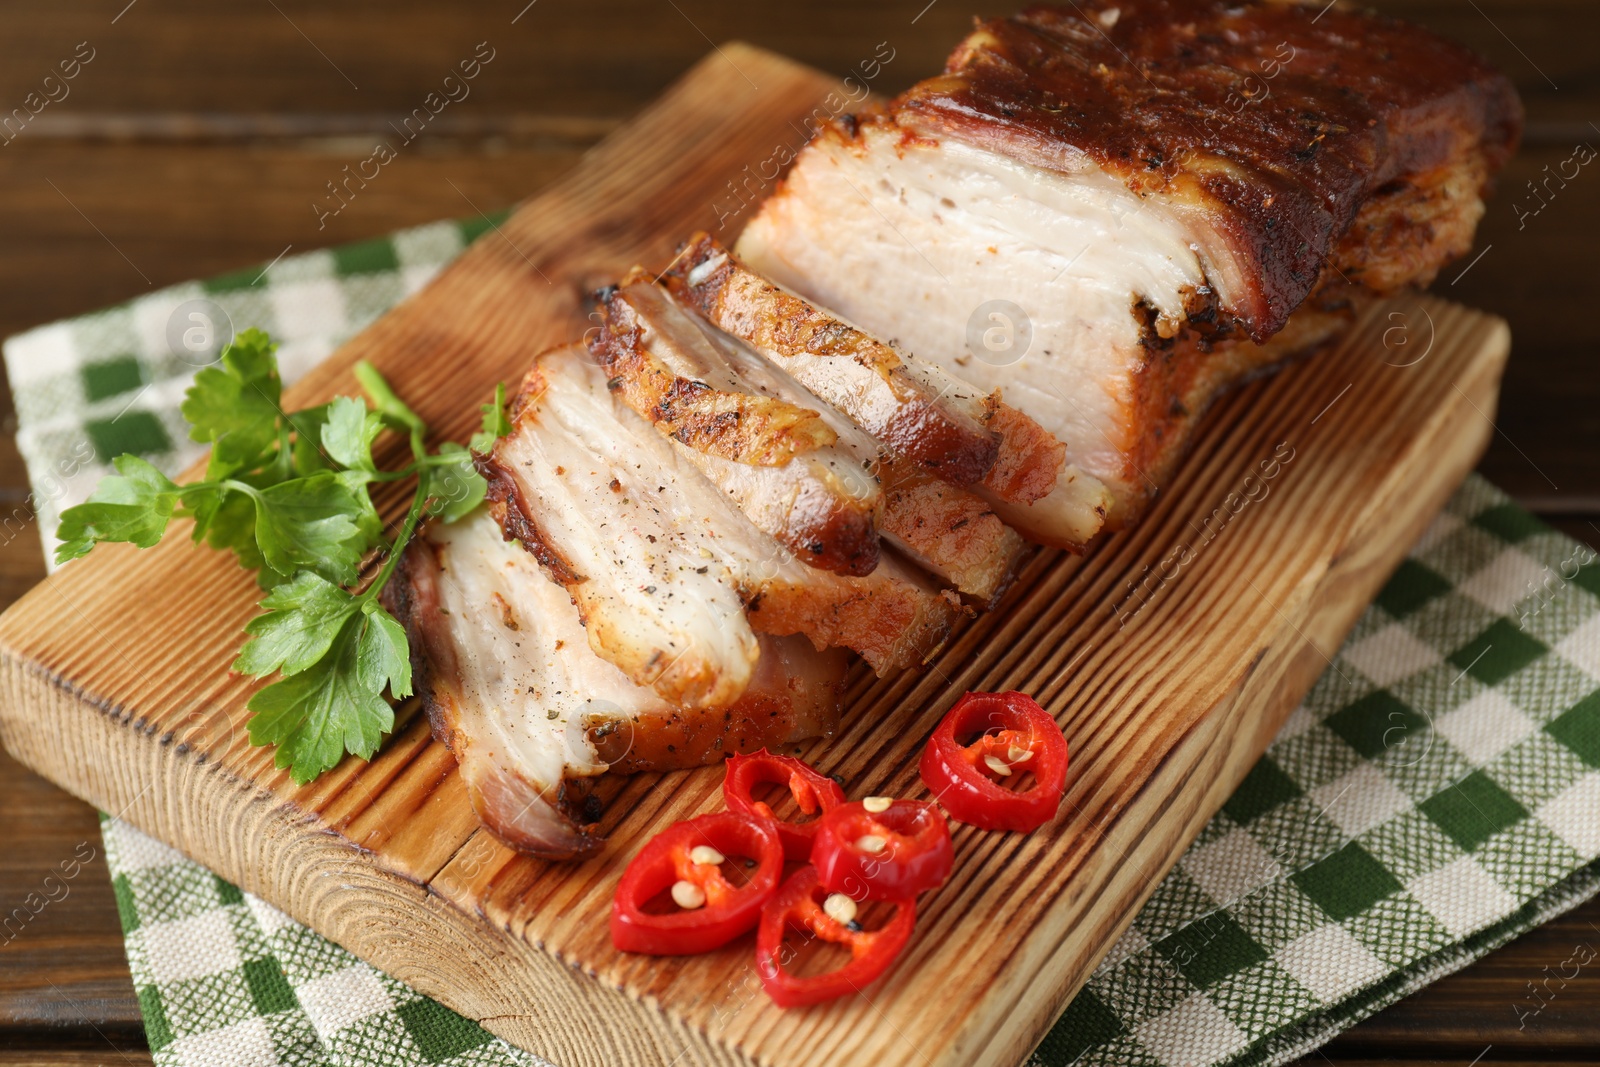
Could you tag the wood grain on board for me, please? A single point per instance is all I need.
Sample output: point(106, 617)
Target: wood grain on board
point(115, 683)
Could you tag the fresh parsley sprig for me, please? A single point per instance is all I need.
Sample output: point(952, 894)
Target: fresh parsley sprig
point(289, 495)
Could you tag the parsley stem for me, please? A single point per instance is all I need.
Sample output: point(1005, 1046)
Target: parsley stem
point(407, 528)
point(285, 457)
point(435, 460)
point(241, 487)
point(392, 476)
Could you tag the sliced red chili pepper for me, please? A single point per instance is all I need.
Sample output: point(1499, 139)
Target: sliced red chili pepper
point(812, 791)
point(1014, 735)
point(725, 910)
point(799, 904)
point(892, 854)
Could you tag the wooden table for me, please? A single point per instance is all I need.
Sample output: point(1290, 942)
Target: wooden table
point(199, 136)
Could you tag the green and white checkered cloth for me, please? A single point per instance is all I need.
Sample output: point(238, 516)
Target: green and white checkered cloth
point(1437, 794)
point(226, 980)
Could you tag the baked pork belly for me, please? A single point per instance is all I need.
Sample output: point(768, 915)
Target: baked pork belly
point(533, 716)
point(775, 457)
point(1028, 483)
point(671, 579)
point(647, 337)
point(1149, 199)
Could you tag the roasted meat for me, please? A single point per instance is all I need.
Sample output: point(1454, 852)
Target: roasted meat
point(647, 336)
point(533, 716)
point(776, 457)
point(671, 579)
point(1028, 482)
point(1156, 197)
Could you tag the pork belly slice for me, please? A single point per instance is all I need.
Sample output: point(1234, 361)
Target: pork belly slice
point(778, 460)
point(952, 533)
point(534, 717)
point(669, 576)
point(1029, 482)
point(955, 534)
point(621, 530)
point(934, 420)
point(1159, 186)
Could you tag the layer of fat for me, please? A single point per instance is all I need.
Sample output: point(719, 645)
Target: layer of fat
point(1069, 516)
point(910, 239)
point(813, 482)
point(529, 682)
point(653, 543)
point(763, 374)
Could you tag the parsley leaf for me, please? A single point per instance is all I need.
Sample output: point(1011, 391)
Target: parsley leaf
point(310, 524)
point(233, 405)
point(289, 495)
point(307, 457)
point(134, 505)
point(348, 433)
point(335, 705)
point(347, 438)
point(225, 519)
point(303, 618)
point(455, 487)
point(495, 423)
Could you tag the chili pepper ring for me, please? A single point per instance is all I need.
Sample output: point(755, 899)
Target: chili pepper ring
point(1014, 736)
point(686, 859)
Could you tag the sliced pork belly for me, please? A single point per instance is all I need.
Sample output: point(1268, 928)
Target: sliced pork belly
point(1158, 186)
point(533, 716)
point(946, 530)
point(646, 568)
point(670, 578)
point(646, 336)
point(934, 420)
point(1028, 482)
point(779, 461)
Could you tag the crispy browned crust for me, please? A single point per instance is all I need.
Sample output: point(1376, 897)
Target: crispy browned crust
point(893, 620)
point(1184, 375)
point(950, 528)
point(1030, 457)
point(742, 427)
point(1407, 230)
point(1277, 121)
point(829, 529)
point(891, 405)
point(411, 596)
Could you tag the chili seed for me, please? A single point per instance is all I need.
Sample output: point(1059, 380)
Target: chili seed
point(871, 843)
point(706, 856)
point(688, 896)
point(1019, 755)
point(997, 765)
point(840, 908)
point(877, 804)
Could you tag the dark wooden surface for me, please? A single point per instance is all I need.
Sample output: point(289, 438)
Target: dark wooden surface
point(200, 135)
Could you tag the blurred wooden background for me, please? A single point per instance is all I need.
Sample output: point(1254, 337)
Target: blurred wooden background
point(201, 133)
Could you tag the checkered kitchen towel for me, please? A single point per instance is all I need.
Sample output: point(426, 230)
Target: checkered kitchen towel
point(1437, 794)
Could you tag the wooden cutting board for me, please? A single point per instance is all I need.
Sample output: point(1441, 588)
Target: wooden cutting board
point(1170, 654)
